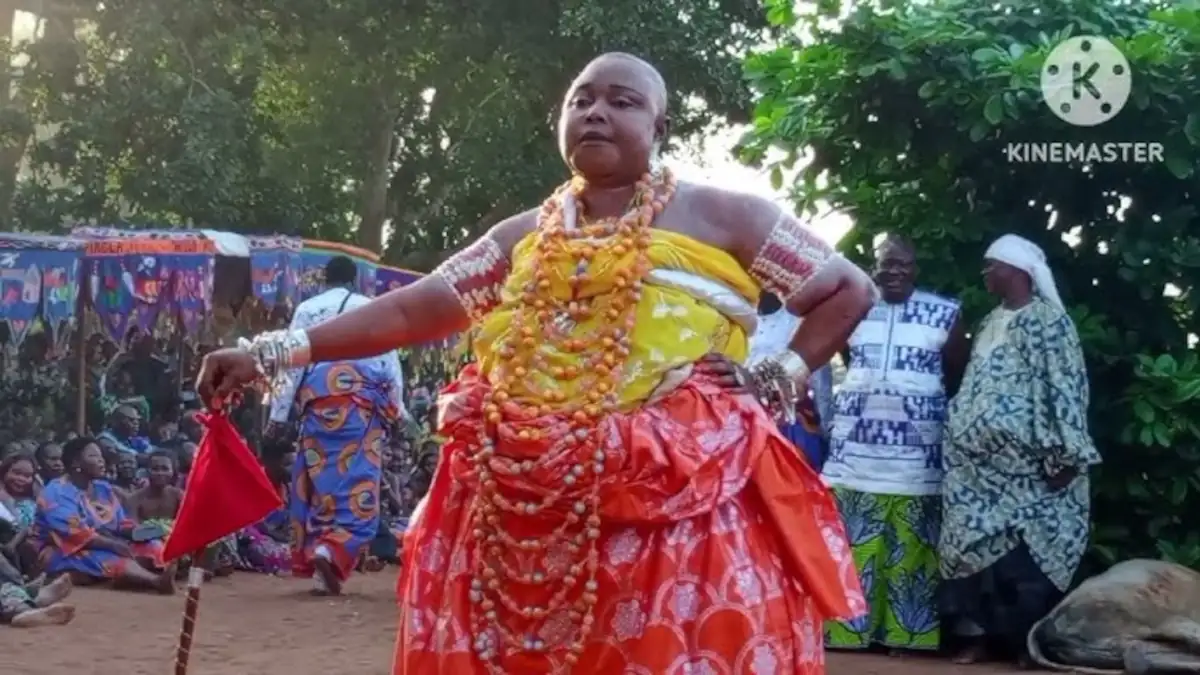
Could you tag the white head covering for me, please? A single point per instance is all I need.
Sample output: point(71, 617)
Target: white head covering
point(1030, 259)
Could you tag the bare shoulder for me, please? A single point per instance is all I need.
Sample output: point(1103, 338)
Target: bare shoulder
point(508, 232)
point(740, 221)
point(731, 208)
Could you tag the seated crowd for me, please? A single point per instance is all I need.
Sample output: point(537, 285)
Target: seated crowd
point(81, 510)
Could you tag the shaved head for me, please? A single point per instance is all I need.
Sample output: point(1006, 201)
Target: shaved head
point(658, 86)
point(895, 241)
point(614, 119)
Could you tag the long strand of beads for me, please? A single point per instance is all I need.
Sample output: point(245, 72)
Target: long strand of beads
point(605, 349)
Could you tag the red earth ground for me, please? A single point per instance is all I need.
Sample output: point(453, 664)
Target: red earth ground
point(255, 625)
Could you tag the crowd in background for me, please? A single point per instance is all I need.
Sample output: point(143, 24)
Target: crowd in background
point(142, 435)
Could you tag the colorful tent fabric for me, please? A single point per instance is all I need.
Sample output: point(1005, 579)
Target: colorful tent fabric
point(39, 278)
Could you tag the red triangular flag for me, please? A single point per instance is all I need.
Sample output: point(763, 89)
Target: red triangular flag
point(227, 490)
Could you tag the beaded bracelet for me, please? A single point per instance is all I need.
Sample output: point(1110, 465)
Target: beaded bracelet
point(276, 352)
point(781, 379)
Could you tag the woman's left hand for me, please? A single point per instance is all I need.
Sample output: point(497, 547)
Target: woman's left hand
point(726, 372)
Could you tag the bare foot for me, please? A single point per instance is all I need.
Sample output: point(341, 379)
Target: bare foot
point(35, 585)
point(54, 615)
point(974, 654)
point(54, 592)
point(333, 585)
point(373, 564)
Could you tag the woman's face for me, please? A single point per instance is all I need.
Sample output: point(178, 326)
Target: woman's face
point(611, 119)
point(91, 462)
point(18, 481)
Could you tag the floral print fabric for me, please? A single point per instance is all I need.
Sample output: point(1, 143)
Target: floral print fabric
point(1020, 416)
point(894, 539)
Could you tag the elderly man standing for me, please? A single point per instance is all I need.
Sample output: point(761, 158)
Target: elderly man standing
point(1017, 455)
point(885, 460)
point(345, 408)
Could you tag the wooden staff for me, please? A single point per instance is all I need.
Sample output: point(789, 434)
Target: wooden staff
point(196, 574)
point(190, 609)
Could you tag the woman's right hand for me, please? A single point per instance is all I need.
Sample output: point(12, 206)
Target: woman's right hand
point(223, 373)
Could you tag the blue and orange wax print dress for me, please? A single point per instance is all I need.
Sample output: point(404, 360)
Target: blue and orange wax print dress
point(69, 520)
point(347, 407)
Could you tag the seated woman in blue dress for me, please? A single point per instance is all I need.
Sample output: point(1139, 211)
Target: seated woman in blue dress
point(84, 531)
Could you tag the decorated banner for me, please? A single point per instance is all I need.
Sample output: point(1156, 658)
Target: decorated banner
point(192, 288)
point(317, 254)
point(60, 287)
point(391, 278)
point(275, 270)
point(38, 279)
point(134, 278)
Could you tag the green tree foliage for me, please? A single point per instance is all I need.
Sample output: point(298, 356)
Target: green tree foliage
point(904, 114)
point(330, 118)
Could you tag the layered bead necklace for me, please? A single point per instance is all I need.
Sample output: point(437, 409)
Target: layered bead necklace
point(542, 318)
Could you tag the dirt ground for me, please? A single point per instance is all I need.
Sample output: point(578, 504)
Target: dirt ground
point(252, 624)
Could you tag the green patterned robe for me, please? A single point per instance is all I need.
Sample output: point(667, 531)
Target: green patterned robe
point(1020, 416)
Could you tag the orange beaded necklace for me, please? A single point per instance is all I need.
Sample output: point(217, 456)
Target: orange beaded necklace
point(537, 320)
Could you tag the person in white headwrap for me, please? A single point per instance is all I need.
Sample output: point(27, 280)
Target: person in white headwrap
point(1017, 453)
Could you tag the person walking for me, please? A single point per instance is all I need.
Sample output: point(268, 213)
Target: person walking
point(345, 408)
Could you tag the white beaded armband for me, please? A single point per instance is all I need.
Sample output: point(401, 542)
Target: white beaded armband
point(789, 257)
point(278, 351)
point(476, 274)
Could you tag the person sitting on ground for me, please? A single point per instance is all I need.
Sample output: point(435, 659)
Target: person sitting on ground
point(187, 455)
point(49, 462)
point(264, 546)
point(120, 391)
point(17, 496)
point(84, 530)
point(158, 501)
point(164, 434)
point(125, 476)
point(124, 429)
point(29, 605)
point(189, 427)
point(393, 518)
point(422, 474)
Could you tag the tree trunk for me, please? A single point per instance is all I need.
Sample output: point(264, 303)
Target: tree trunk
point(13, 149)
point(373, 195)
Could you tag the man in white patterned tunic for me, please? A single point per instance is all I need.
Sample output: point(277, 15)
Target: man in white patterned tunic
point(884, 463)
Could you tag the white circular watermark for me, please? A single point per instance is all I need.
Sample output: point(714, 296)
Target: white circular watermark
point(1086, 81)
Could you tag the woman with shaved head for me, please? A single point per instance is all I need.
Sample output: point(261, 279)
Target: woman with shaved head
point(612, 497)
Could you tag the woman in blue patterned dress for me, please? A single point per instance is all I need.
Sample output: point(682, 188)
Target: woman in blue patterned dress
point(1017, 454)
point(83, 529)
point(18, 475)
